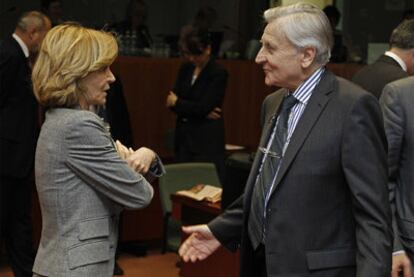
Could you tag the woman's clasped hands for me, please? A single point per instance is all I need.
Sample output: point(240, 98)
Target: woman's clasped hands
point(139, 160)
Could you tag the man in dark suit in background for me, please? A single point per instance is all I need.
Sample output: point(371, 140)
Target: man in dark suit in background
point(396, 63)
point(19, 127)
point(316, 201)
point(397, 102)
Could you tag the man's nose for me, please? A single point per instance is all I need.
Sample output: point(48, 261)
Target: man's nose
point(260, 57)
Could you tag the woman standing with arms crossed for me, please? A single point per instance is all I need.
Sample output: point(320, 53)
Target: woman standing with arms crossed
point(82, 178)
point(197, 100)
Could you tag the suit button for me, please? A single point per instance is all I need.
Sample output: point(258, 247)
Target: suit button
point(269, 210)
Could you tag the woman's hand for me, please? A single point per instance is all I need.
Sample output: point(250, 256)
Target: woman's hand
point(141, 159)
point(122, 150)
point(214, 114)
point(171, 99)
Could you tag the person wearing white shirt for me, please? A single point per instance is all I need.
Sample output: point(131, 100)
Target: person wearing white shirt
point(395, 64)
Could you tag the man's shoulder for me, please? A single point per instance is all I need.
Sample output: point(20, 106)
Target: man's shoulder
point(9, 45)
point(215, 68)
point(383, 65)
point(348, 88)
point(403, 87)
point(10, 50)
point(71, 116)
point(340, 89)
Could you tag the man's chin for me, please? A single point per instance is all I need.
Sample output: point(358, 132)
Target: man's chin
point(268, 82)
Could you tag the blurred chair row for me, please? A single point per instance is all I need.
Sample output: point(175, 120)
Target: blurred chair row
point(181, 176)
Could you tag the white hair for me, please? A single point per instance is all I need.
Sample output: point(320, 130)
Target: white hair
point(304, 25)
point(32, 19)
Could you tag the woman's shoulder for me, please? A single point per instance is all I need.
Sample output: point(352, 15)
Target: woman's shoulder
point(186, 66)
point(71, 114)
point(216, 68)
point(73, 118)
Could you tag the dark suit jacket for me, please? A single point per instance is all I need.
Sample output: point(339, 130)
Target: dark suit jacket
point(328, 215)
point(374, 77)
point(193, 130)
point(18, 112)
point(115, 113)
point(397, 102)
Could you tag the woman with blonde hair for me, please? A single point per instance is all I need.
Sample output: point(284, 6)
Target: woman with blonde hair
point(83, 178)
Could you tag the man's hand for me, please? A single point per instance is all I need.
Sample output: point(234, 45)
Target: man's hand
point(401, 263)
point(141, 159)
point(199, 245)
point(171, 99)
point(214, 114)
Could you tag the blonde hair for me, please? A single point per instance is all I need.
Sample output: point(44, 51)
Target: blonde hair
point(68, 54)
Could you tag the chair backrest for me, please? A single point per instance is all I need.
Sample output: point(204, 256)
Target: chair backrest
point(181, 176)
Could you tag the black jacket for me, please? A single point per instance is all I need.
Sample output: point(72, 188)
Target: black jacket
point(375, 76)
point(18, 112)
point(195, 102)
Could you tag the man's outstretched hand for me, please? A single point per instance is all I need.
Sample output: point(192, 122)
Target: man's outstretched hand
point(199, 245)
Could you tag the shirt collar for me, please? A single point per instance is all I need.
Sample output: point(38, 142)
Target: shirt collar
point(22, 45)
point(304, 91)
point(397, 59)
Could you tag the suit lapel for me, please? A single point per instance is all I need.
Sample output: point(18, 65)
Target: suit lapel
point(270, 116)
point(315, 106)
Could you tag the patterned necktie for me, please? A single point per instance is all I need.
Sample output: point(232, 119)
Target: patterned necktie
point(268, 171)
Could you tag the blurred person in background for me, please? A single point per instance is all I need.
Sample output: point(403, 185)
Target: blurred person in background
point(339, 50)
point(394, 64)
point(19, 130)
point(54, 10)
point(197, 100)
point(134, 25)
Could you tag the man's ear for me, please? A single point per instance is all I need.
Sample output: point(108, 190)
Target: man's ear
point(308, 56)
point(410, 61)
point(411, 53)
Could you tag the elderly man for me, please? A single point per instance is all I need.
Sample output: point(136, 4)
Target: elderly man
point(316, 200)
point(397, 102)
point(396, 63)
point(19, 125)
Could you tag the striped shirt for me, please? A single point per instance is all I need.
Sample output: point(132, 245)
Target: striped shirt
point(302, 94)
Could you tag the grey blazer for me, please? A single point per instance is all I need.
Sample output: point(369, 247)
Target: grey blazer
point(82, 184)
point(397, 102)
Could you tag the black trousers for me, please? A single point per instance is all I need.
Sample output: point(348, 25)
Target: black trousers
point(259, 261)
point(16, 223)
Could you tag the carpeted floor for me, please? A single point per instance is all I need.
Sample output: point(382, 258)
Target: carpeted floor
point(153, 265)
